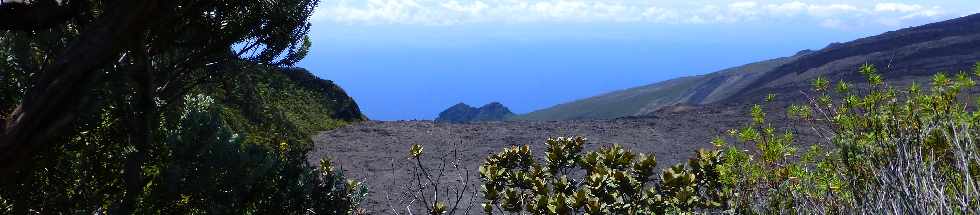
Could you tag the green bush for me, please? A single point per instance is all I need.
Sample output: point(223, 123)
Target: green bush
point(880, 149)
point(612, 180)
point(211, 170)
point(201, 166)
point(236, 146)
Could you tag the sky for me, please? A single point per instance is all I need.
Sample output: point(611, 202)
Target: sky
point(411, 59)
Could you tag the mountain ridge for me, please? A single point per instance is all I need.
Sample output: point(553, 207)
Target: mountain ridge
point(904, 55)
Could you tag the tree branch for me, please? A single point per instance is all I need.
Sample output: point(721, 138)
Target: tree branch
point(39, 14)
point(142, 112)
point(49, 108)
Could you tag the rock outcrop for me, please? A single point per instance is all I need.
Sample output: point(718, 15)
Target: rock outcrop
point(463, 113)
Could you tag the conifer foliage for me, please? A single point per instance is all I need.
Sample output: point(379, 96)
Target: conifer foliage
point(164, 107)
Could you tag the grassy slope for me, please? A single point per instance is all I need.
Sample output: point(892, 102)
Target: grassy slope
point(283, 105)
point(616, 104)
point(647, 99)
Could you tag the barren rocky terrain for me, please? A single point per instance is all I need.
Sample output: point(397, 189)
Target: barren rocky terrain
point(377, 152)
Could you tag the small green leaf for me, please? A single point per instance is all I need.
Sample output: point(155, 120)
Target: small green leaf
point(416, 151)
point(820, 84)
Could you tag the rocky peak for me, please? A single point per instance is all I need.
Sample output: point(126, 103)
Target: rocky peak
point(463, 113)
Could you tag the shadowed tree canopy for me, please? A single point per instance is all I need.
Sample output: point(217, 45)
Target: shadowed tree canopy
point(164, 107)
point(161, 47)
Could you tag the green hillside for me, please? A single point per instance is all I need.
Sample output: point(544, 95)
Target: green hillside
point(647, 99)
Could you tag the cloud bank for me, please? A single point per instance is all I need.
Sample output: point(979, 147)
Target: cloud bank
point(457, 12)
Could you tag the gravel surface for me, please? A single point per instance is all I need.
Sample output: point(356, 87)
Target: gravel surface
point(376, 152)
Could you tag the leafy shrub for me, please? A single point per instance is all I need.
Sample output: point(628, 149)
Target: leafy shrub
point(213, 155)
point(210, 169)
point(201, 167)
point(877, 150)
point(611, 180)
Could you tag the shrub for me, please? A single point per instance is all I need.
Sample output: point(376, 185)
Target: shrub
point(611, 180)
point(880, 149)
point(201, 166)
point(446, 189)
point(209, 169)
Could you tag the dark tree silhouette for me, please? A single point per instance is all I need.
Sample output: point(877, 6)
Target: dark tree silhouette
point(162, 46)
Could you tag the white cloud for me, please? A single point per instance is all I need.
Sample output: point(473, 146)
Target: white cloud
point(475, 8)
point(454, 12)
point(909, 11)
point(790, 8)
point(832, 23)
point(660, 15)
point(380, 11)
point(832, 10)
point(894, 14)
point(747, 7)
point(897, 7)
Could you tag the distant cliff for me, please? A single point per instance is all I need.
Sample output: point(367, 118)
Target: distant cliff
point(463, 113)
point(332, 97)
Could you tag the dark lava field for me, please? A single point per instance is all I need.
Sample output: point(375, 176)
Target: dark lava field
point(377, 152)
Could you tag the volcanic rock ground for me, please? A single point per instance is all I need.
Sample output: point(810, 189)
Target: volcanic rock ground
point(377, 152)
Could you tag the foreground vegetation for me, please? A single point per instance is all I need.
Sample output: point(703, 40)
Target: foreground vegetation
point(165, 107)
point(235, 151)
point(877, 150)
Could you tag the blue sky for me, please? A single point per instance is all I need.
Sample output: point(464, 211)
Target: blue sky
point(410, 59)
